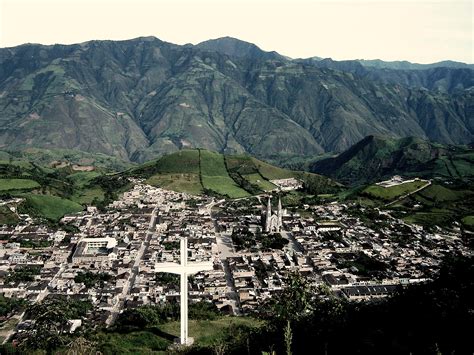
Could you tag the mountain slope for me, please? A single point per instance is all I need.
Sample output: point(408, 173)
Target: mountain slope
point(199, 171)
point(142, 98)
point(375, 158)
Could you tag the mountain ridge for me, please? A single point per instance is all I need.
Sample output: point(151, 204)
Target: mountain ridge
point(141, 98)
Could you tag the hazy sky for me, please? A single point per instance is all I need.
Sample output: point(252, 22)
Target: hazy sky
point(418, 30)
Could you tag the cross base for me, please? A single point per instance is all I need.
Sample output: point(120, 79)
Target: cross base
point(189, 342)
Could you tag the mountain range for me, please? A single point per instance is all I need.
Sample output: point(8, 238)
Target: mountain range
point(138, 99)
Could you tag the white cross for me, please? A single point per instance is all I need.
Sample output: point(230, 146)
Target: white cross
point(184, 269)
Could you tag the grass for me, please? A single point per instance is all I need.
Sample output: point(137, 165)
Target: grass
point(214, 176)
point(87, 195)
point(207, 332)
point(50, 207)
point(17, 184)
point(184, 161)
point(258, 180)
point(223, 185)
point(188, 183)
point(438, 193)
point(82, 178)
point(430, 218)
point(212, 164)
point(156, 340)
point(468, 221)
point(271, 172)
point(391, 193)
point(137, 342)
point(242, 164)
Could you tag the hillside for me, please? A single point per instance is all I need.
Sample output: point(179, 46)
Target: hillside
point(62, 187)
point(375, 158)
point(200, 171)
point(139, 99)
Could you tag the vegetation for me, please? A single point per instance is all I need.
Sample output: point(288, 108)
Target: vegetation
point(17, 184)
point(392, 192)
point(376, 158)
point(23, 274)
point(10, 305)
point(214, 176)
point(50, 327)
point(50, 207)
point(90, 279)
point(7, 216)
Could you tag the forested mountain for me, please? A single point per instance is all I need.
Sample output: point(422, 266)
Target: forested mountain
point(375, 158)
point(140, 98)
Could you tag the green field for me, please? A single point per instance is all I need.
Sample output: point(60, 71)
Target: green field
point(50, 207)
point(430, 218)
point(215, 177)
point(242, 164)
point(156, 340)
point(82, 178)
point(223, 185)
point(439, 193)
point(391, 193)
point(188, 183)
point(271, 172)
point(258, 180)
point(184, 161)
point(17, 184)
point(86, 196)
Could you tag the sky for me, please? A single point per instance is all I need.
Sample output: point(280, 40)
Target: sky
point(421, 31)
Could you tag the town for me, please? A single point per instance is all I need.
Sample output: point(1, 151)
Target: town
point(111, 257)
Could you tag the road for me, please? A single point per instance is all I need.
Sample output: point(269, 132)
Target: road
point(293, 245)
point(128, 285)
point(428, 183)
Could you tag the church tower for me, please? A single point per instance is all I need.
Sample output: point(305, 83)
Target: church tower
point(280, 215)
point(268, 215)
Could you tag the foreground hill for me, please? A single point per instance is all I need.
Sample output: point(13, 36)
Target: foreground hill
point(201, 171)
point(142, 98)
point(375, 158)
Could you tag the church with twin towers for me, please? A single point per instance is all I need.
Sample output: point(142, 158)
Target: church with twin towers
point(273, 222)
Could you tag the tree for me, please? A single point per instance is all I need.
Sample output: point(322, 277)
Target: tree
point(50, 323)
point(294, 301)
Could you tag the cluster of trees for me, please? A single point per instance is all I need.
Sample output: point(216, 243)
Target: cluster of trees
point(9, 305)
point(272, 241)
point(434, 317)
point(315, 184)
point(153, 315)
point(50, 324)
point(23, 274)
point(90, 279)
point(243, 238)
point(112, 185)
point(365, 265)
point(245, 184)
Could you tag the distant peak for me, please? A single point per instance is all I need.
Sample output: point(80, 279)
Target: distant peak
point(238, 48)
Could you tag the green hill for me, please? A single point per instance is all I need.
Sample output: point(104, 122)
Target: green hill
point(375, 158)
point(201, 171)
